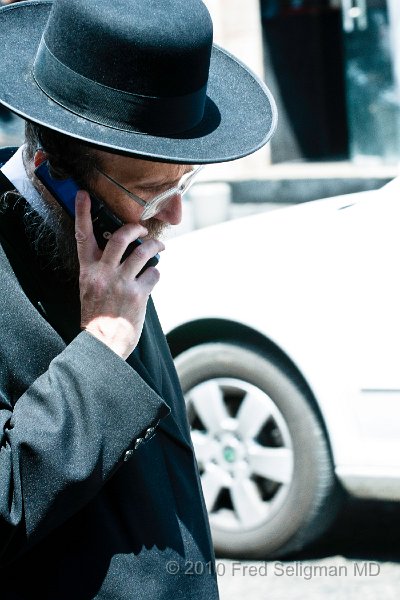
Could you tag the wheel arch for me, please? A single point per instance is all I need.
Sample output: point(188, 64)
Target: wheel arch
point(203, 331)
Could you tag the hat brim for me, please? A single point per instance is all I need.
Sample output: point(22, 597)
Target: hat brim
point(240, 114)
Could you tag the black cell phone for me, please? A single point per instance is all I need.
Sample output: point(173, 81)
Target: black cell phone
point(105, 222)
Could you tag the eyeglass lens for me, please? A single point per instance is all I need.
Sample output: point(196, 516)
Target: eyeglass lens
point(183, 186)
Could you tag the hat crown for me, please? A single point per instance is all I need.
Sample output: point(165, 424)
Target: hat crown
point(124, 75)
point(149, 47)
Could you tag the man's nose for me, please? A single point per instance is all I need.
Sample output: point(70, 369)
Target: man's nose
point(172, 211)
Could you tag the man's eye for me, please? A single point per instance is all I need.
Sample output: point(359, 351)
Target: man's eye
point(156, 190)
point(148, 193)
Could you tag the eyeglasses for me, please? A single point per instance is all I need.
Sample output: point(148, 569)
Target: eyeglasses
point(152, 207)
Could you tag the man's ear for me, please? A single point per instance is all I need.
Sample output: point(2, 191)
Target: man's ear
point(39, 157)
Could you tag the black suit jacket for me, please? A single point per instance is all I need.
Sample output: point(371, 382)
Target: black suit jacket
point(99, 489)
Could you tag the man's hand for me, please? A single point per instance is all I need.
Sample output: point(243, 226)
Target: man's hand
point(113, 298)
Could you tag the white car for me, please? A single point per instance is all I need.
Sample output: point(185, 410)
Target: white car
point(285, 329)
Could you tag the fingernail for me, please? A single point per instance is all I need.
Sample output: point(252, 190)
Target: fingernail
point(79, 196)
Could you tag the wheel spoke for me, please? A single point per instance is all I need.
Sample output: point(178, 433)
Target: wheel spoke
point(205, 447)
point(208, 402)
point(252, 414)
point(247, 502)
point(272, 463)
point(212, 482)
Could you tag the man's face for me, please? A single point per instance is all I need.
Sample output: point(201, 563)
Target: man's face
point(144, 178)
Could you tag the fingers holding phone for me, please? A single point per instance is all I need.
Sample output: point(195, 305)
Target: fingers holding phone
point(113, 296)
point(104, 221)
point(87, 247)
point(113, 299)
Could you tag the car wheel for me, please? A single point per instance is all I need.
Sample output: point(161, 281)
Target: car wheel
point(263, 456)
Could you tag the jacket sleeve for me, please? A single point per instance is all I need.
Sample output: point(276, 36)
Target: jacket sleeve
point(64, 437)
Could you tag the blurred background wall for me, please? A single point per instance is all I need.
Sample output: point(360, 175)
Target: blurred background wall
point(334, 69)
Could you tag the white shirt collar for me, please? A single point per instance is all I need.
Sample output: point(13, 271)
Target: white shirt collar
point(15, 171)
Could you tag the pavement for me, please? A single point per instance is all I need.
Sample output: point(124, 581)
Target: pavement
point(359, 558)
point(333, 578)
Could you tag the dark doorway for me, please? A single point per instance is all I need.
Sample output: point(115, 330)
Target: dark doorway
point(304, 66)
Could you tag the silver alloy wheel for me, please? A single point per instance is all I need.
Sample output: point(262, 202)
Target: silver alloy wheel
point(243, 449)
point(263, 454)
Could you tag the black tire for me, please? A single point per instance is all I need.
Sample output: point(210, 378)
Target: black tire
point(302, 506)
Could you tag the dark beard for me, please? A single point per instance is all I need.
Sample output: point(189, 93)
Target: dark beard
point(52, 236)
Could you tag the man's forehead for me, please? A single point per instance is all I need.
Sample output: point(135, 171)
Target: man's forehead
point(140, 169)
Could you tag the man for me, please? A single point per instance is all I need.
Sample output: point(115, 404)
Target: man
point(99, 490)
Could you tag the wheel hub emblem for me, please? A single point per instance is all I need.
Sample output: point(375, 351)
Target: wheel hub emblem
point(229, 454)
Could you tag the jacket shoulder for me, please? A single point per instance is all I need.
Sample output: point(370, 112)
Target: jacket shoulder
point(6, 153)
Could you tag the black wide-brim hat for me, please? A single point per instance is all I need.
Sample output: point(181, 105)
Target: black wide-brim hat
point(140, 77)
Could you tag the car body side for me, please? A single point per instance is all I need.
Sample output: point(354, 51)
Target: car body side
point(320, 282)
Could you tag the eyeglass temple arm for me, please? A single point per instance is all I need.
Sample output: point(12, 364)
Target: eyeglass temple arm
point(121, 187)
